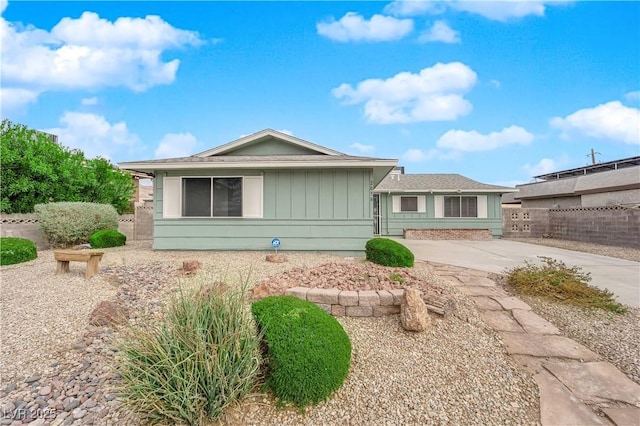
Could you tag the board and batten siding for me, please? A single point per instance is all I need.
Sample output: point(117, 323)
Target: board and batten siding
point(393, 222)
point(327, 210)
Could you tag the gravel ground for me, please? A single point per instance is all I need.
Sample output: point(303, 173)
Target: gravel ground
point(57, 367)
point(626, 253)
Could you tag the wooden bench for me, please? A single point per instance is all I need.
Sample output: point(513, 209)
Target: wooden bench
point(91, 257)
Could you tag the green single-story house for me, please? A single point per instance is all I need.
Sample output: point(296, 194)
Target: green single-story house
point(437, 202)
point(242, 195)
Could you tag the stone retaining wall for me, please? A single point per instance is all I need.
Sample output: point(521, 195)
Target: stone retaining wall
point(448, 234)
point(342, 303)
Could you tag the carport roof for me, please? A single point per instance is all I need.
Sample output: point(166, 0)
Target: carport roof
point(453, 182)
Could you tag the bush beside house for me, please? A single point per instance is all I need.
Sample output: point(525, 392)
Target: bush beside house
point(106, 238)
point(67, 223)
point(386, 252)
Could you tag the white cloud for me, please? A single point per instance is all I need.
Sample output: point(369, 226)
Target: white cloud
point(495, 83)
point(433, 94)
point(175, 145)
point(362, 148)
point(440, 31)
point(91, 53)
point(544, 166)
point(612, 121)
point(90, 101)
point(12, 99)
point(3, 5)
point(418, 156)
point(470, 141)
point(633, 96)
point(94, 135)
point(503, 10)
point(353, 27)
point(414, 7)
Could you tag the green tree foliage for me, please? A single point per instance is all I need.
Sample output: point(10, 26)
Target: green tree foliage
point(36, 170)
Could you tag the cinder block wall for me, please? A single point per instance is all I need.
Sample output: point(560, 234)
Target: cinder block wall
point(616, 226)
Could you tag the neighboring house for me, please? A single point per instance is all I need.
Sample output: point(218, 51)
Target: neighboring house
point(614, 183)
point(437, 202)
point(241, 195)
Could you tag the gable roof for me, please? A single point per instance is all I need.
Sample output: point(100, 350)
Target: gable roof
point(262, 135)
point(436, 183)
point(218, 158)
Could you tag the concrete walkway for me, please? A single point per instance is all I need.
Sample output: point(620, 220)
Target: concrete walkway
point(620, 276)
point(575, 385)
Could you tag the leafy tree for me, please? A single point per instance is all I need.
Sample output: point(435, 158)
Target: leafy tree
point(35, 170)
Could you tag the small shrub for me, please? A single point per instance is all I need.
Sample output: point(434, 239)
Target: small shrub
point(556, 281)
point(203, 356)
point(386, 252)
point(308, 352)
point(106, 238)
point(16, 250)
point(68, 223)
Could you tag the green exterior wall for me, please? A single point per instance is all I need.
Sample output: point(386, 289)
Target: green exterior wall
point(327, 210)
point(393, 224)
point(271, 146)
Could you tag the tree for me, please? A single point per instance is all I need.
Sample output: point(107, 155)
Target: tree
point(34, 169)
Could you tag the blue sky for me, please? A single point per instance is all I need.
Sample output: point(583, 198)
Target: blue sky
point(496, 91)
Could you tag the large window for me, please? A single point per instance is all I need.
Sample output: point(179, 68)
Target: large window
point(408, 204)
point(212, 197)
point(460, 206)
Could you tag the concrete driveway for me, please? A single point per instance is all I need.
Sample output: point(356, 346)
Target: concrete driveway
point(620, 276)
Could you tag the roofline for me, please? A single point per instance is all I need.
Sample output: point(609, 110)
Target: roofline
point(337, 163)
point(463, 191)
point(262, 133)
point(594, 168)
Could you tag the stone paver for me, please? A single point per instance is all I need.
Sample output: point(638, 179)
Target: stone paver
point(558, 406)
point(545, 346)
point(530, 363)
point(482, 282)
point(511, 302)
point(486, 304)
point(533, 323)
point(482, 291)
point(501, 321)
point(625, 416)
point(596, 381)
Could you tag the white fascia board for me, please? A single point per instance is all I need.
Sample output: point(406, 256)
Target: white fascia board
point(450, 191)
point(259, 165)
point(267, 132)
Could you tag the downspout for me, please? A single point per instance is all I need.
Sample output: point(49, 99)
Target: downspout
point(387, 215)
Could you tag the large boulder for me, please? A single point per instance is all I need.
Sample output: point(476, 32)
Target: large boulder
point(413, 311)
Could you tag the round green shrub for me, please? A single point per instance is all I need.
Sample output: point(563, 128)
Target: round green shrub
point(106, 238)
point(308, 352)
point(16, 250)
point(386, 252)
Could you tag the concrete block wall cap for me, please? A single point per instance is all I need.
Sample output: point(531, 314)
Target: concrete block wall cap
point(368, 298)
point(321, 295)
point(299, 292)
point(348, 298)
point(386, 298)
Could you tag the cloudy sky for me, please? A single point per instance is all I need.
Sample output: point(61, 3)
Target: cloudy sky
point(496, 91)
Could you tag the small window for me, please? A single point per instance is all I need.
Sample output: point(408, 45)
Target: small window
point(460, 206)
point(409, 204)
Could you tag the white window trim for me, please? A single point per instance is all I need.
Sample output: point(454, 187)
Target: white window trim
point(481, 206)
point(396, 201)
point(172, 197)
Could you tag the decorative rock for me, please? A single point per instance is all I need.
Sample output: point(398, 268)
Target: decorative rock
point(276, 258)
point(11, 387)
point(74, 403)
point(260, 291)
point(46, 390)
point(32, 379)
point(190, 267)
point(413, 312)
point(108, 313)
point(79, 413)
